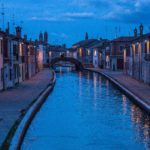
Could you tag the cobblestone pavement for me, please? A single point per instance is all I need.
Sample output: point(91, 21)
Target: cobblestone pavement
point(139, 88)
point(14, 100)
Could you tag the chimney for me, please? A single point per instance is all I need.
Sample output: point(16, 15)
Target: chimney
point(141, 29)
point(8, 28)
point(86, 36)
point(41, 37)
point(45, 37)
point(135, 32)
point(18, 31)
point(36, 42)
point(25, 37)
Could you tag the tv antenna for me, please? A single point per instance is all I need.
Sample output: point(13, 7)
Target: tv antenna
point(116, 32)
point(3, 16)
point(13, 22)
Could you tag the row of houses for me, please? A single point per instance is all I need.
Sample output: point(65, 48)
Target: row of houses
point(131, 54)
point(20, 58)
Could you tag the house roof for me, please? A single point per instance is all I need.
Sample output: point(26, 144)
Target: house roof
point(99, 44)
point(123, 39)
point(84, 43)
point(147, 35)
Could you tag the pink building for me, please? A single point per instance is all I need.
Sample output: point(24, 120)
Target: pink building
point(1, 64)
point(117, 49)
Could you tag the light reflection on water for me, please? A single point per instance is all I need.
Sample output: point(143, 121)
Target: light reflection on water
point(86, 112)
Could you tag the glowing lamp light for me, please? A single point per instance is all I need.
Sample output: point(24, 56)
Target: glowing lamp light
point(95, 53)
point(50, 54)
point(80, 52)
point(107, 58)
point(124, 55)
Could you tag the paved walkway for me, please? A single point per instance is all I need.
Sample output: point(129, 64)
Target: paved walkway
point(138, 88)
point(14, 100)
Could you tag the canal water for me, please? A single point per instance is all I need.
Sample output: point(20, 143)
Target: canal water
point(87, 112)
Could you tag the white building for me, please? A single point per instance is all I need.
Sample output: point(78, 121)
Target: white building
point(95, 58)
point(40, 57)
point(137, 57)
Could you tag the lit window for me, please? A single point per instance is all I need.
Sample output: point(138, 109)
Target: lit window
point(107, 58)
point(20, 48)
point(80, 52)
point(88, 52)
point(100, 55)
point(50, 54)
point(95, 53)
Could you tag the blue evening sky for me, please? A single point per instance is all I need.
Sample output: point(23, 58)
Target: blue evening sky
point(66, 21)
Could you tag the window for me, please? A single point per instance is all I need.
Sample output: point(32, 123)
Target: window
point(136, 49)
point(19, 72)
point(15, 52)
point(121, 48)
point(80, 52)
point(88, 52)
point(95, 53)
point(10, 75)
point(2, 73)
point(146, 47)
point(15, 71)
point(5, 52)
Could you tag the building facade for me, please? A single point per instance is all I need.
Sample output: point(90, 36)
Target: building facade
point(137, 58)
point(1, 63)
point(116, 52)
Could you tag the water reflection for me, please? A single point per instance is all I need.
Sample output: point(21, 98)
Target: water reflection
point(142, 124)
point(124, 103)
point(86, 112)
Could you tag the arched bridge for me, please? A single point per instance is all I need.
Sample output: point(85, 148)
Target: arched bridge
point(74, 61)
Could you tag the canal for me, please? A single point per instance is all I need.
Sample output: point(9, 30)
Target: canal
point(87, 112)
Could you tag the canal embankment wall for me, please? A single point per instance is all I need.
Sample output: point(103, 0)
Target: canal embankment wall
point(129, 86)
point(29, 116)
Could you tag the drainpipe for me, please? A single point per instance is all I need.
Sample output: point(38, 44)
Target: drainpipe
point(3, 64)
point(18, 65)
point(27, 63)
